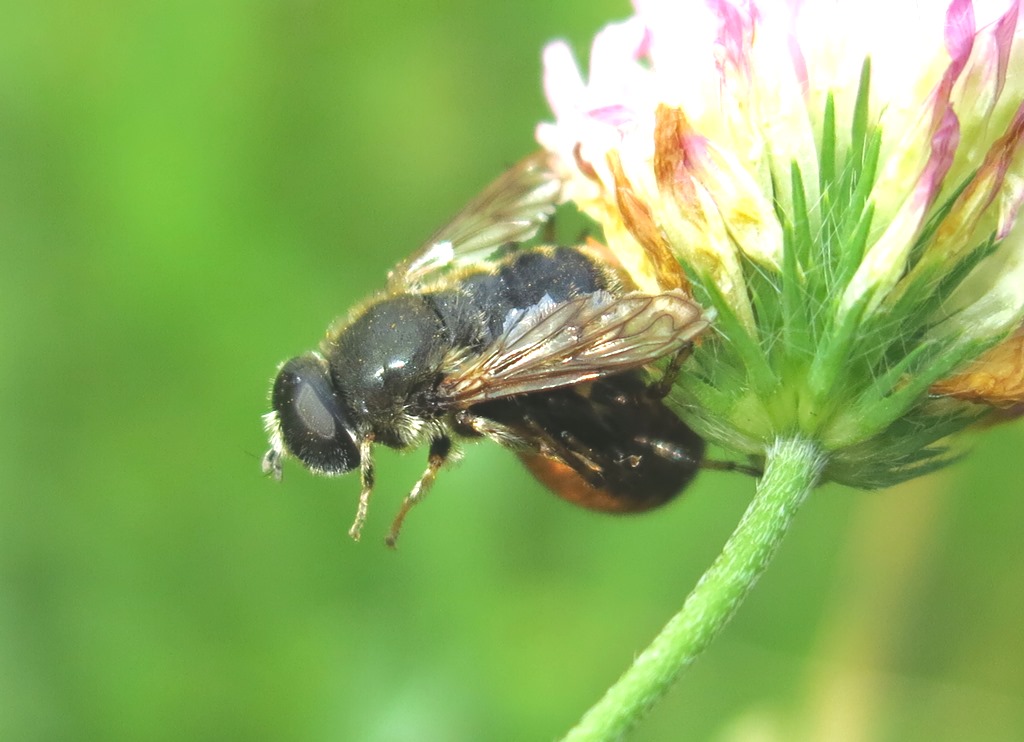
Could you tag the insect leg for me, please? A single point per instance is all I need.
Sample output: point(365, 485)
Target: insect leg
point(440, 449)
point(366, 486)
point(469, 423)
point(562, 445)
point(661, 388)
point(568, 449)
point(731, 466)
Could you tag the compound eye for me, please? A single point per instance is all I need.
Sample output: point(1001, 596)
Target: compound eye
point(313, 420)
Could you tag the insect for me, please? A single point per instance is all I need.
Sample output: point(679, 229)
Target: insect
point(542, 349)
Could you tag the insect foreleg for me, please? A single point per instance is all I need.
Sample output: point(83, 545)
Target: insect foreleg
point(366, 486)
point(440, 450)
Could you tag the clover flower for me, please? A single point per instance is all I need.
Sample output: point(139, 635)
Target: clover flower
point(839, 180)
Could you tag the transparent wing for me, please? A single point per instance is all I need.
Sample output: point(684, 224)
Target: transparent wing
point(511, 209)
point(556, 345)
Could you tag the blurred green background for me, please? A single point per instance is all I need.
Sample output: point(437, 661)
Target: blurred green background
point(189, 193)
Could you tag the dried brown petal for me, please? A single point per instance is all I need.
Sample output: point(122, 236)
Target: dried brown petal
point(996, 378)
point(636, 215)
point(670, 157)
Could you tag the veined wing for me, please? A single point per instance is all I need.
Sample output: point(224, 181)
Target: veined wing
point(585, 338)
point(511, 209)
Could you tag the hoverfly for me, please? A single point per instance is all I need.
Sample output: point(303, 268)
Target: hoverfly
point(542, 349)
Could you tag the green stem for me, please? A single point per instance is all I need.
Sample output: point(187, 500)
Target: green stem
point(792, 469)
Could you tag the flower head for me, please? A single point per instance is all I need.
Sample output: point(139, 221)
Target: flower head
point(839, 180)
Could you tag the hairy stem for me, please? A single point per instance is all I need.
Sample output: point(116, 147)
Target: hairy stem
point(793, 466)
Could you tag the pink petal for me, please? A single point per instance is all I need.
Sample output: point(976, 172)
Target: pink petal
point(959, 33)
point(945, 140)
point(617, 116)
point(988, 184)
point(1003, 32)
point(736, 32)
point(563, 85)
point(982, 79)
